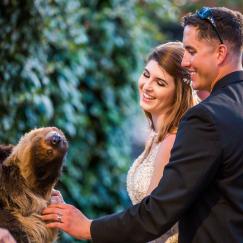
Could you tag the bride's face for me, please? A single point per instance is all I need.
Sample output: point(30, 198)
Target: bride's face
point(156, 89)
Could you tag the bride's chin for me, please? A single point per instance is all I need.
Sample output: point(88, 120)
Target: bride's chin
point(142, 106)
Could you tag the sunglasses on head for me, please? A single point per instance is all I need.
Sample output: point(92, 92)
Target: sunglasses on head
point(206, 13)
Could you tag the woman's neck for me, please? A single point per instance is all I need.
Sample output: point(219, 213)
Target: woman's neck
point(157, 121)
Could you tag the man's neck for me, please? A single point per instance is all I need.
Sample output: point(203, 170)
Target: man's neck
point(227, 70)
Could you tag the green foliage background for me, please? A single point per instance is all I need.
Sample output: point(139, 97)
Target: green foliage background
point(74, 64)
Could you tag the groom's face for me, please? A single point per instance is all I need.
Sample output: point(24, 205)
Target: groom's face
point(200, 58)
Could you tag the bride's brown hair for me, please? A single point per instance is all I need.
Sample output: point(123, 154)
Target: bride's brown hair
point(169, 57)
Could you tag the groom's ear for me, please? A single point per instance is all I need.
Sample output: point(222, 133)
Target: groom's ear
point(222, 53)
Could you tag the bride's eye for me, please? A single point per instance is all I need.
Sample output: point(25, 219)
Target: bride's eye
point(161, 83)
point(146, 74)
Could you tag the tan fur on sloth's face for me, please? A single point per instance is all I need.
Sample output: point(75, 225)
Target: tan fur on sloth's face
point(35, 150)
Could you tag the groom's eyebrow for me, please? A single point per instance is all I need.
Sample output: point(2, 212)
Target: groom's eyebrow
point(189, 48)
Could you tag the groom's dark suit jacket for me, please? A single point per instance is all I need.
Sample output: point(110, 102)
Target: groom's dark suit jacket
point(202, 185)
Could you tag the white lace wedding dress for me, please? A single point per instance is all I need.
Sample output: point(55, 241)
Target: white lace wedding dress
point(138, 181)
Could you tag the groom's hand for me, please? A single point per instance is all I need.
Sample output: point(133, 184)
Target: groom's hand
point(69, 219)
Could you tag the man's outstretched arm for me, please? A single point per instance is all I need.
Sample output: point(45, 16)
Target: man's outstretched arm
point(195, 159)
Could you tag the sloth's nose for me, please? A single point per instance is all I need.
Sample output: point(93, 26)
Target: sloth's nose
point(55, 139)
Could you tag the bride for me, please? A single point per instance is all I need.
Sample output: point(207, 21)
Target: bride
point(165, 95)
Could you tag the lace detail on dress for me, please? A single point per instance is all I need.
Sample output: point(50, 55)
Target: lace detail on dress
point(142, 167)
point(138, 180)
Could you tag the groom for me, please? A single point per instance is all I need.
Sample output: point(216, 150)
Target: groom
point(202, 185)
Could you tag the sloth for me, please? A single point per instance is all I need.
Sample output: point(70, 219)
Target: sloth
point(28, 174)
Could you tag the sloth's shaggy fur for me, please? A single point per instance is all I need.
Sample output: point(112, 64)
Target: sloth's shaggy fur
point(28, 173)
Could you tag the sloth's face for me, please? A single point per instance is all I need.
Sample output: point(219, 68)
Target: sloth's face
point(40, 154)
